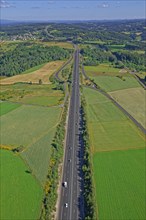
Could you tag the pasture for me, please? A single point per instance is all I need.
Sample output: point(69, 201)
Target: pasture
point(117, 154)
point(114, 131)
point(6, 107)
point(42, 74)
point(133, 100)
point(33, 128)
point(111, 83)
point(102, 69)
point(43, 95)
point(119, 178)
point(21, 194)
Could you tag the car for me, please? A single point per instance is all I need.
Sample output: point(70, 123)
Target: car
point(66, 205)
point(69, 160)
point(65, 184)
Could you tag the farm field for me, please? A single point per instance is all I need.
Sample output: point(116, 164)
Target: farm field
point(114, 130)
point(111, 83)
point(21, 194)
point(6, 107)
point(31, 128)
point(133, 100)
point(110, 78)
point(102, 69)
point(43, 95)
point(43, 73)
point(120, 184)
point(117, 152)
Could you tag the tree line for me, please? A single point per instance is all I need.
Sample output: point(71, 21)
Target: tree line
point(24, 57)
point(95, 55)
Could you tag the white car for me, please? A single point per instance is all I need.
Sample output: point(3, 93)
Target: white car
point(66, 205)
point(65, 184)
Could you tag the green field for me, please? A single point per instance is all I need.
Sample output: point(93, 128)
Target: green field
point(118, 164)
point(110, 78)
point(6, 107)
point(102, 69)
point(111, 83)
point(133, 100)
point(21, 195)
point(114, 131)
point(43, 95)
point(120, 184)
point(43, 100)
point(33, 128)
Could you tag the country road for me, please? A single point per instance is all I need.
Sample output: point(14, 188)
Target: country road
point(71, 195)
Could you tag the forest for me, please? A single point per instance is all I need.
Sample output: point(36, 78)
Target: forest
point(25, 57)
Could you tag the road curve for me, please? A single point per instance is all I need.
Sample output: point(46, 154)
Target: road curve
point(71, 169)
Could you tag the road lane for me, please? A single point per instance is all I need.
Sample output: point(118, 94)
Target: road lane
point(70, 195)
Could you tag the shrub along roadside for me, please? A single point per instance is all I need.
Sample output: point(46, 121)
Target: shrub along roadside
point(51, 185)
point(89, 198)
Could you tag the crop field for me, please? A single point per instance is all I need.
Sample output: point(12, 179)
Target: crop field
point(133, 100)
point(44, 95)
point(101, 69)
point(6, 107)
point(117, 151)
point(114, 131)
point(111, 83)
point(21, 194)
point(33, 129)
point(43, 73)
point(120, 184)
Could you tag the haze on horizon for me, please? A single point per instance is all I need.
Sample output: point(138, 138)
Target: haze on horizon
point(24, 10)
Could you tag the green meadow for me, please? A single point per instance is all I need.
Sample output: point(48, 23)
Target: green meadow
point(21, 194)
point(117, 154)
point(32, 128)
point(6, 107)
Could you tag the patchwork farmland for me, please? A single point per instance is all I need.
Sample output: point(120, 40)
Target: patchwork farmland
point(37, 134)
point(29, 114)
point(117, 153)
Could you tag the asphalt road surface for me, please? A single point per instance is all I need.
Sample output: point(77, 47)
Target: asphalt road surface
point(72, 194)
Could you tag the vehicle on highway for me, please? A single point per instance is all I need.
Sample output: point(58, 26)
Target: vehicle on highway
point(66, 205)
point(65, 184)
point(69, 160)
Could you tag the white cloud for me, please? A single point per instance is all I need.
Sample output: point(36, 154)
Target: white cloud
point(103, 5)
point(5, 4)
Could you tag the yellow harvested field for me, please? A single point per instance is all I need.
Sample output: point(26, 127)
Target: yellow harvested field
point(43, 73)
point(134, 101)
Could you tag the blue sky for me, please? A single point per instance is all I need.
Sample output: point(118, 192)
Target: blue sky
point(71, 10)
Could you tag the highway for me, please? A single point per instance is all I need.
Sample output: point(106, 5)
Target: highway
point(72, 194)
